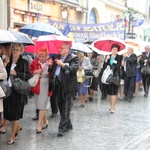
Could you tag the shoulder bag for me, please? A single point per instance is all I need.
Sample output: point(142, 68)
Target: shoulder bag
point(20, 86)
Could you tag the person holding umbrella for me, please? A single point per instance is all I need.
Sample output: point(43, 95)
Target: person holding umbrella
point(114, 61)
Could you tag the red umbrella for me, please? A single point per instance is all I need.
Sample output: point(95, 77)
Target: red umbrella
point(104, 44)
point(52, 42)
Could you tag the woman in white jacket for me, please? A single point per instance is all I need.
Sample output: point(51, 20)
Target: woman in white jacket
point(3, 76)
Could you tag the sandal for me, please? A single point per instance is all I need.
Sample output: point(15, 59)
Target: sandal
point(10, 142)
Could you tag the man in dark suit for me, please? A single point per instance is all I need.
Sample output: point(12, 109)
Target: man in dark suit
point(64, 69)
point(146, 77)
point(130, 62)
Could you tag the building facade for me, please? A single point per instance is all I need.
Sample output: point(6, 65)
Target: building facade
point(21, 12)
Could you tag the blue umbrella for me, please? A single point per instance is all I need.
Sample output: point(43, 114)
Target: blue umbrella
point(37, 29)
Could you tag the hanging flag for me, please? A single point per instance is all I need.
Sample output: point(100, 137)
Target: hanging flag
point(68, 33)
point(39, 15)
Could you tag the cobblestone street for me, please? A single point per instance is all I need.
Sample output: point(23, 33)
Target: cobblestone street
point(94, 128)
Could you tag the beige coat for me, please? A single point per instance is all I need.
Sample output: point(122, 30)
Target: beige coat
point(3, 76)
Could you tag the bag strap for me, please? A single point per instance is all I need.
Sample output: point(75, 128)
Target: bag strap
point(89, 83)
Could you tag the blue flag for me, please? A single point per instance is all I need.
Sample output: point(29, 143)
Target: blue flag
point(66, 30)
point(68, 33)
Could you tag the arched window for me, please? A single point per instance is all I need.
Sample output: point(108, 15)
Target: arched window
point(92, 17)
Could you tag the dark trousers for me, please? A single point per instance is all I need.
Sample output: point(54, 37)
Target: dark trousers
point(103, 87)
point(54, 104)
point(146, 83)
point(65, 103)
point(129, 87)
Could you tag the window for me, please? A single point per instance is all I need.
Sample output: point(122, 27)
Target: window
point(73, 1)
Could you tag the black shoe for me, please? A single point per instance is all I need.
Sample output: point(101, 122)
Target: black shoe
point(103, 98)
point(90, 99)
point(145, 95)
point(35, 117)
point(60, 134)
point(53, 115)
point(70, 128)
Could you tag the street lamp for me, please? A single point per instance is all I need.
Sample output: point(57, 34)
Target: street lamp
point(64, 12)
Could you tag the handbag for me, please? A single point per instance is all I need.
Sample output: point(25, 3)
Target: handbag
point(34, 80)
point(80, 76)
point(96, 73)
point(107, 73)
point(88, 73)
point(6, 88)
point(20, 86)
point(145, 69)
point(113, 79)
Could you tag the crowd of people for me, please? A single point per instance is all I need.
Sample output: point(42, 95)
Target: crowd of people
point(58, 86)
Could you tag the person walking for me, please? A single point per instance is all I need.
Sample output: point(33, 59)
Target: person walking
point(3, 76)
point(41, 65)
point(84, 64)
point(145, 60)
point(64, 70)
point(114, 61)
point(130, 63)
point(14, 104)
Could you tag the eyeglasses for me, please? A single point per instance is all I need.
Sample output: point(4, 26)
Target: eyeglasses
point(15, 49)
point(62, 48)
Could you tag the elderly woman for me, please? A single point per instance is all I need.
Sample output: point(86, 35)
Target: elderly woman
point(84, 63)
point(114, 61)
point(3, 75)
point(42, 95)
point(14, 104)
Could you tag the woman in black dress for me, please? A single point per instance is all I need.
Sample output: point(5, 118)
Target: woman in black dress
point(14, 104)
point(114, 61)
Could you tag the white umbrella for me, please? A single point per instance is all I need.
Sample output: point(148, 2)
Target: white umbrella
point(22, 38)
point(80, 47)
point(6, 37)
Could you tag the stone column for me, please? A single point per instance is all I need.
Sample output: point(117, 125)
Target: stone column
point(3, 12)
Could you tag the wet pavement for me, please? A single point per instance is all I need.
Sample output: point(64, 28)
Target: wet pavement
point(94, 128)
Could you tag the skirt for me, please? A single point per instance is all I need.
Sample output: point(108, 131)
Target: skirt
point(83, 89)
point(14, 106)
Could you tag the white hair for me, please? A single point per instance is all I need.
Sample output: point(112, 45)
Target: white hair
point(147, 46)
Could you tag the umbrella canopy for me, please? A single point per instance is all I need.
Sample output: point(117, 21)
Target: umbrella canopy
point(6, 37)
point(37, 29)
point(104, 44)
point(97, 50)
point(80, 47)
point(22, 38)
point(132, 42)
point(52, 42)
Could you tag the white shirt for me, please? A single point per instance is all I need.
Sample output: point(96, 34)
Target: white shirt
point(12, 68)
